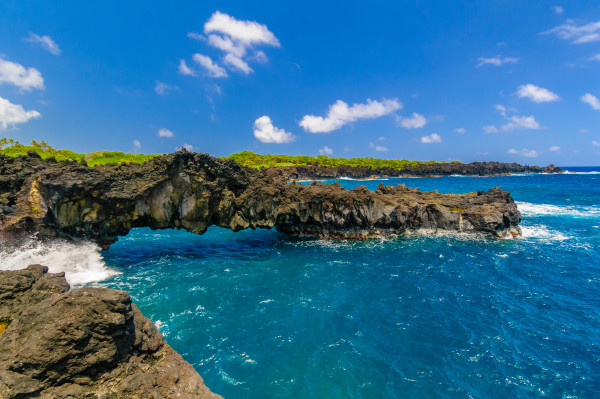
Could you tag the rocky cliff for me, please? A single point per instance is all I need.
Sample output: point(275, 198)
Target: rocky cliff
point(89, 342)
point(194, 191)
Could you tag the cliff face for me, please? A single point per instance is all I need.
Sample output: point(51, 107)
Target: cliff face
point(89, 342)
point(195, 191)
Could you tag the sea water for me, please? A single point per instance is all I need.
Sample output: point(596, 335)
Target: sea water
point(260, 314)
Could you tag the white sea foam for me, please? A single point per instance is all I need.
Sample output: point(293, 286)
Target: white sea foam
point(594, 172)
point(81, 262)
point(529, 209)
point(542, 232)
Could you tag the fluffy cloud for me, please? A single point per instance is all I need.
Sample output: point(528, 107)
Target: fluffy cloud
point(431, 139)
point(378, 147)
point(136, 144)
point(576, 34)
point(326, 150)
point(165, 133)
point(554, 148)
point(238, 40)
point(265, 132)
point(45, 42)
point(340, 114)
point(24, 78)
point(524, 152)
point(213, 69)
point(536, 94)
point(514, 122)
point(414, 122)
point(558, 10)
point(595, 57)
point(185, 70)
point(595, 143)
point(592, 100)
point(461, 130)
point(497, 61)
point(13, 114)
point(244, 32)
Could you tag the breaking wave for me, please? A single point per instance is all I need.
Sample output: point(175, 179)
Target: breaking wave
point(81, 261)
point(529, 209)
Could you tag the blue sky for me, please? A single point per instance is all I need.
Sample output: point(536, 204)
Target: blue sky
point(494, 80)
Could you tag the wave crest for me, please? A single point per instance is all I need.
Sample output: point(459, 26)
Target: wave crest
point(81, 261)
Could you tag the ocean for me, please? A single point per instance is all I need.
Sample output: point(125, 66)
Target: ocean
point(260, 314)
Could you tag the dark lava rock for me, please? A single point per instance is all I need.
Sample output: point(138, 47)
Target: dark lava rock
point(194, 191)
point(85, 343)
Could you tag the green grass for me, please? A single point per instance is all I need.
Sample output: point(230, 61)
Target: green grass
point(13, 148)
point(252, 160)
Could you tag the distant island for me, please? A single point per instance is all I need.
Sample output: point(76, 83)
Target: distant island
point(295, 167)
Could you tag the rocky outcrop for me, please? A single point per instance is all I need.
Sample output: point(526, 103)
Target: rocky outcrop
point(89, 342)
point(195, 191)
point(313, 172)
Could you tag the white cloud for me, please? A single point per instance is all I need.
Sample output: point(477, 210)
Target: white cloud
point(13, 114)
point(595, 143)
point(461, 130)
point(326, 150)
point(189, 147)
point(213, 69)
point(235, 63)
point(558, 10)
point(536, 94)
point(592, 100)
point(497, 61)
point(414, 122)
point(577, 34)
point(137, 144)
point(162, 88)
point(185, 70)
point(246, 32)
point(432, 138)
point(378, 147)
point(524, 152)
point(265, 132)
point(165, 133)
point(238, 40)
point(595, 57)
point(554, 148)
point(45, 42)
point(381, 138)
point(24, 78)
point(340, 114)
point(514, 122)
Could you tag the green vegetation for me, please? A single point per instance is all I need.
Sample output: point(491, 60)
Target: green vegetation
point(13, 148)
point(252, 160)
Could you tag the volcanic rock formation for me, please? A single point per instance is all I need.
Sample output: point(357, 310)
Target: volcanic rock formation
point(89, 342)
point(194, 191)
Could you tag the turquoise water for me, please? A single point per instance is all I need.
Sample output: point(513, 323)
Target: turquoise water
point(260, 314)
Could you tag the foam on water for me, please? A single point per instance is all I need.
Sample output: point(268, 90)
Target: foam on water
point(81, 262)
point(542, 232)
point(530, 209)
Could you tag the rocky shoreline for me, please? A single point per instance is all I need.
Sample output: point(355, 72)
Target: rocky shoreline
point(313, 172)
point(194, 191)
point(88, 342)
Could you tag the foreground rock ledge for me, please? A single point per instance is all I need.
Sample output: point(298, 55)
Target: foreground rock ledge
point(89, 342)
point(194, 191)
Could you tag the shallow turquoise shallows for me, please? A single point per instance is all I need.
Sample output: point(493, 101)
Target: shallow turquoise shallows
point(262, 315)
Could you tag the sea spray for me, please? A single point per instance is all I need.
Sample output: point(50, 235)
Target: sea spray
point(81, 261)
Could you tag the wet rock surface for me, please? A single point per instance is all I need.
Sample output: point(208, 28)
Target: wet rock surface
point(194, 191)
point(88, 342)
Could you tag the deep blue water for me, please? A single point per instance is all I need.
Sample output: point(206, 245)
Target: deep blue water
point(262, 315)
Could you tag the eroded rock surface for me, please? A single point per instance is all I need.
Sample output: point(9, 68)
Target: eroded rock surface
point(89, 342)
point(194, 191)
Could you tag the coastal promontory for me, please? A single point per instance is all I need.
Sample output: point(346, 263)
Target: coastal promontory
point(194, 191)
